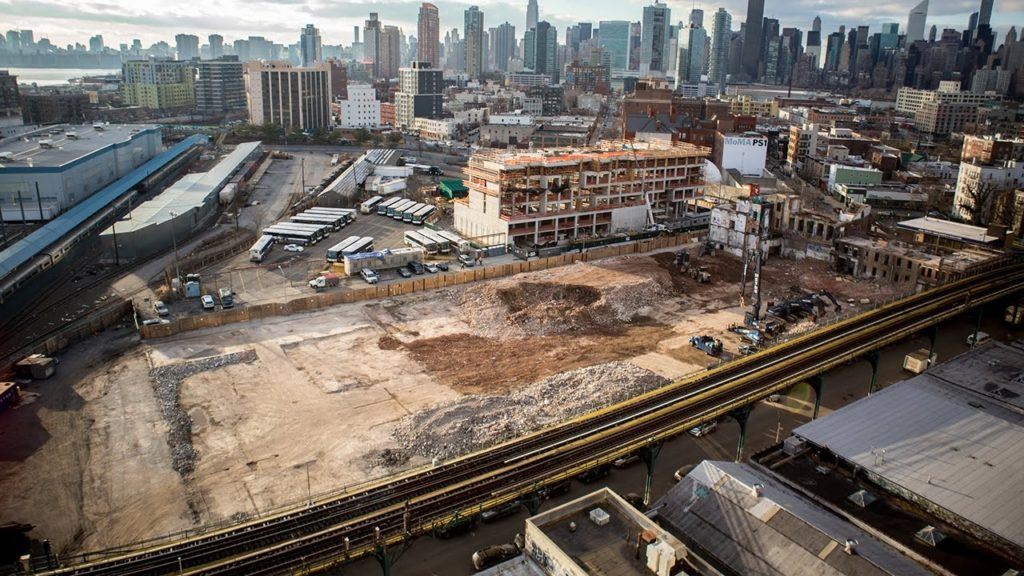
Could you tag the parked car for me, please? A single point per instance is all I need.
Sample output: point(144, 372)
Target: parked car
point(703, 429)
point(431, 267)
point(466, 260)
point(160, 308)
point(983, 337)
point(443, 266)
point(369, 275)
point(292, 248)
point(416, 268)
point(208, 303)
point(404, 273)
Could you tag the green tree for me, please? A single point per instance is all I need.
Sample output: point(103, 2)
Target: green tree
point(362, 136)
point(271, 132)
point(395, 138)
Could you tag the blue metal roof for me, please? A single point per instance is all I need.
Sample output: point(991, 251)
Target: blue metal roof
point(23, 250)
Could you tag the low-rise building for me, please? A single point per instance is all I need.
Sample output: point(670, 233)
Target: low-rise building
point(291, 97)
point(361, 109)
point(936, 232)
point(900, 263)
point(438, 129)
point(552, 195)
point(978, 188)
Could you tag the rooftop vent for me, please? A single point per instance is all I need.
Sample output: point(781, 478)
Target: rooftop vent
point(862, 498)
point(930, 536)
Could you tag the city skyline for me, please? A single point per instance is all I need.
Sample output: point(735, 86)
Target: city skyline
point(152, 22)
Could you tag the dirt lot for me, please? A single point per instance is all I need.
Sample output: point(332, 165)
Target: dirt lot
point(133, 440)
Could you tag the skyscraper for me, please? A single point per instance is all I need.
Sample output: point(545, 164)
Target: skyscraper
point(916, 21)
point(532, 14)
point(428, 30)
point(371, 44)
point(614, 39)
point(814, 47)
point(690, 64)
point(697, 18)
point(654, 39)
point(816, 25)
point(541, 45)
point(752, 40)
point(473, 31)
point(309, 46)
point(187, 45)
point(985, 14)
point(504, 45)
point(390, 54)
point(216, 46)
point(721, 35)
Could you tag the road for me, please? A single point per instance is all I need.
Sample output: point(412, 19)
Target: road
point(769, 423)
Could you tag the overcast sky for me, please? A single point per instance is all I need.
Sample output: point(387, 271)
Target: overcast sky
point(64, 21)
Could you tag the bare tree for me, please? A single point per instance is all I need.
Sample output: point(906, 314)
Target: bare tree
point(978, 202)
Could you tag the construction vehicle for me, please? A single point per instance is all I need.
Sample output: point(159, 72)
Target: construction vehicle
point(812, 305)
point(752, 335)
point(324, 281)
point(700, 274)
point(711, 346)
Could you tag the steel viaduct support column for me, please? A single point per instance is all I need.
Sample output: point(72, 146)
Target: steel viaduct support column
point(977, 326)
point(817, 383)
point(741, 415)
point(649, 454)
point(873, 358)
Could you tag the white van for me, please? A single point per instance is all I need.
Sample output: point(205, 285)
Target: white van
point(983, 337)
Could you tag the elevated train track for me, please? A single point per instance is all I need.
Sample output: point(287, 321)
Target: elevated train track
point(348, 526)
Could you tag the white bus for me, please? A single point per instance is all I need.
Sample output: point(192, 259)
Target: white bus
point(370, 205)
point(454, 239)
point(422, 214)
point(364, 244)
point(443, 245)
point(414, 239)
point(348, 213)
point(382, 208)
point(291, 236)
point(335, 222)
point(336, 252)
point(321, 230)
point(261, 248)
point(408, 212)
point(397, 210)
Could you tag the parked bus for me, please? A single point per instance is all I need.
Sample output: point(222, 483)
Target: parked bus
point(408, 212)
point(414, 239)
point(364, 244)
point(336, 252)
point(348, 213)
point(318, 231)
point(287, 236)
point(382, 208)
point(454, 239)
point(335, 222)
point(261, 248)
point(395, 211)
point(370, 205)
point(443, 245)
point(422, 214)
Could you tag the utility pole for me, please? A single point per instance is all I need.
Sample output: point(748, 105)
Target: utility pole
point(174, 239)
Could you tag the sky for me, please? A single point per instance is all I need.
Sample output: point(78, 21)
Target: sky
point(64, 21)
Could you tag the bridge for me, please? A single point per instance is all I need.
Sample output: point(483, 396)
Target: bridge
point(376, 518)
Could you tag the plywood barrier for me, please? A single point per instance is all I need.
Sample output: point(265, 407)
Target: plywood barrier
point(447, 279)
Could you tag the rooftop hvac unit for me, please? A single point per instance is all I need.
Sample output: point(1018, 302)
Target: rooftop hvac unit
point(929, 536)
point(98, 127)
point(72, 135)
point(46, 143)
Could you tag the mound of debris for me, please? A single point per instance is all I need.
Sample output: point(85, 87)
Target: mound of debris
point(474, 422)
point(557, 302)
point(167, 386)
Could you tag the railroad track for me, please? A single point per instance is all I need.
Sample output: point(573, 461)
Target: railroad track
point(351, 525)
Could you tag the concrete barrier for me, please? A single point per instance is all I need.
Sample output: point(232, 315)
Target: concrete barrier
point(443, 280)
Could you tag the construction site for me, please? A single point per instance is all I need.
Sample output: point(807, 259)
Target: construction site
point(179, 434)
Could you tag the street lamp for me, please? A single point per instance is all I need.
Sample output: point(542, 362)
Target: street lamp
point(174, 239)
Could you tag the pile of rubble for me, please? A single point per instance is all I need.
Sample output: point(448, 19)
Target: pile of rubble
point(475, 422)
point(167, 386)
point(513, 308)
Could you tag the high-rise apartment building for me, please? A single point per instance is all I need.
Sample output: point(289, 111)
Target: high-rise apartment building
point(752, 39)
point(614, 39)
point(532, 14)
point(721, 36)
point(504, 45)
point(697, 18)
point(216, 46)
point(220, 86)
point(420, 93)
point(655, 37)
point(187, 46)
point(691, 59)
point(310, 50)
point(473, 31)
point(916, 21)
point(390, 52)
point(428, 30)
point(290, 97)
point(540, 48)
point(158, 84)
point(371, 44)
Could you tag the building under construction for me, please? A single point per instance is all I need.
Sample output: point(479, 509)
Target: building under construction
point(556, 194)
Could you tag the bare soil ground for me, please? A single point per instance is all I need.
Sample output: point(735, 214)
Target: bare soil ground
point(336, 397)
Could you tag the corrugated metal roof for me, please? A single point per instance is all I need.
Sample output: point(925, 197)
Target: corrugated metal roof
point(960, 450)
point(22, 251)
point(191, 191)
point(949, 229)
point(778, 532)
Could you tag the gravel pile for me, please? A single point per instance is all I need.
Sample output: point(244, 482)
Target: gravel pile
point(474, 422)
point(167, 385)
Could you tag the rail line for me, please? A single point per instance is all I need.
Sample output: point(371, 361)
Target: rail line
point(351, 525)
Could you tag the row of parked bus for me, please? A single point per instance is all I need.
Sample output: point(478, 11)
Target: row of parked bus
point(349, 246)
point(304, 229)
point(403, 209)
point(434, 241)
